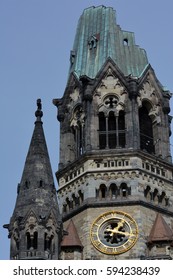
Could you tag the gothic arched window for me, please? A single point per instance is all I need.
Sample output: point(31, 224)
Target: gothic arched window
point(146, 130)
point(112, 130)
point(48, 242)
point(77, 124)
point(102, 130)
point(31, 240)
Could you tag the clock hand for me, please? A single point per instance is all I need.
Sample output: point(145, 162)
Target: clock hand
point(120, 224)
point(115, 231)
point(126, 233)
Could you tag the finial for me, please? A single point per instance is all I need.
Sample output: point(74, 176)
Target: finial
point(39, 112)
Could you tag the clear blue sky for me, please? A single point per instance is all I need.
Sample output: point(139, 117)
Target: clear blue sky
point(36, 39)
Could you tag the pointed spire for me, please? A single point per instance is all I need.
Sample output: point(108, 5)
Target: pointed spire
point(72, 238)
point(37, 178)
point(36, 212)
point(37, 169)
point(160, 231)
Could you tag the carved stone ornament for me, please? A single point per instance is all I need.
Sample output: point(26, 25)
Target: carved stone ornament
point(74, 96)
point(77, 117)
point(50, 227)
point(110, 86)
point(31, 223)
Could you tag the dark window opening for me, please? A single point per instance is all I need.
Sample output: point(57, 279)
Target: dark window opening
point(26, 184)
point(47, 242)
point(81, 196)
point(121, 128)
point(124, 190)
point(113, 191)
point(147, 166)
point(28, 238)
point(102, 191)
point(146, 131)
point(41, 183)
point(161, 197)
point(147, 191)
point(125, 42)
point(112, 130)
point(102, 130)
point(35, 240)
point(155, 194)
point(32, 240)
point(64, 208)
point(78, 132)
point(68, 203)
point(80, 146)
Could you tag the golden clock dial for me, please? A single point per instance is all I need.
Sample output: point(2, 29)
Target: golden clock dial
point(114, 232)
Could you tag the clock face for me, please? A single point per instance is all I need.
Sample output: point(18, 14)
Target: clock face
point(114, 232)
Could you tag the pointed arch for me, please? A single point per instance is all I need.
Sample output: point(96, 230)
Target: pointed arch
point(146, 128)
point(77, 125)
point(31, 240)
point(112, 129)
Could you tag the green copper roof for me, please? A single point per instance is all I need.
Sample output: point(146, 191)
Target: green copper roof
point(98, 37)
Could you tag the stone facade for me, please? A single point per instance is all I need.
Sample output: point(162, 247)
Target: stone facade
point(145, 218)
point(115, 150)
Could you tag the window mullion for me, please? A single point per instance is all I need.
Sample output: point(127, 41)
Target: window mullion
point(117, 131)
point(107, 137)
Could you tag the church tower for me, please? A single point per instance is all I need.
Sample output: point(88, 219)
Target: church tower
point(35, 228)
point(115, 171)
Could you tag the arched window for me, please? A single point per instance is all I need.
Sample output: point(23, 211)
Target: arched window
point(102, 130)
point(81, 196)
point(125, 191)
point(113, 191)
point(102, 191)
point(28, 240)
point(161, 197)
point(64, 208)
point(79, 140)
point(68, 203)
point(31, 240)
point(112, 130)
point(48, 242)
point(77, 125)
point(75, 200)
point(147, 192)
point(155, 195)
point(146, 130)
point(35, 240)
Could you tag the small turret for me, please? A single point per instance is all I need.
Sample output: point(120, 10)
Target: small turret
point(160, 239)
point(71, 246)
point(35, 226)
